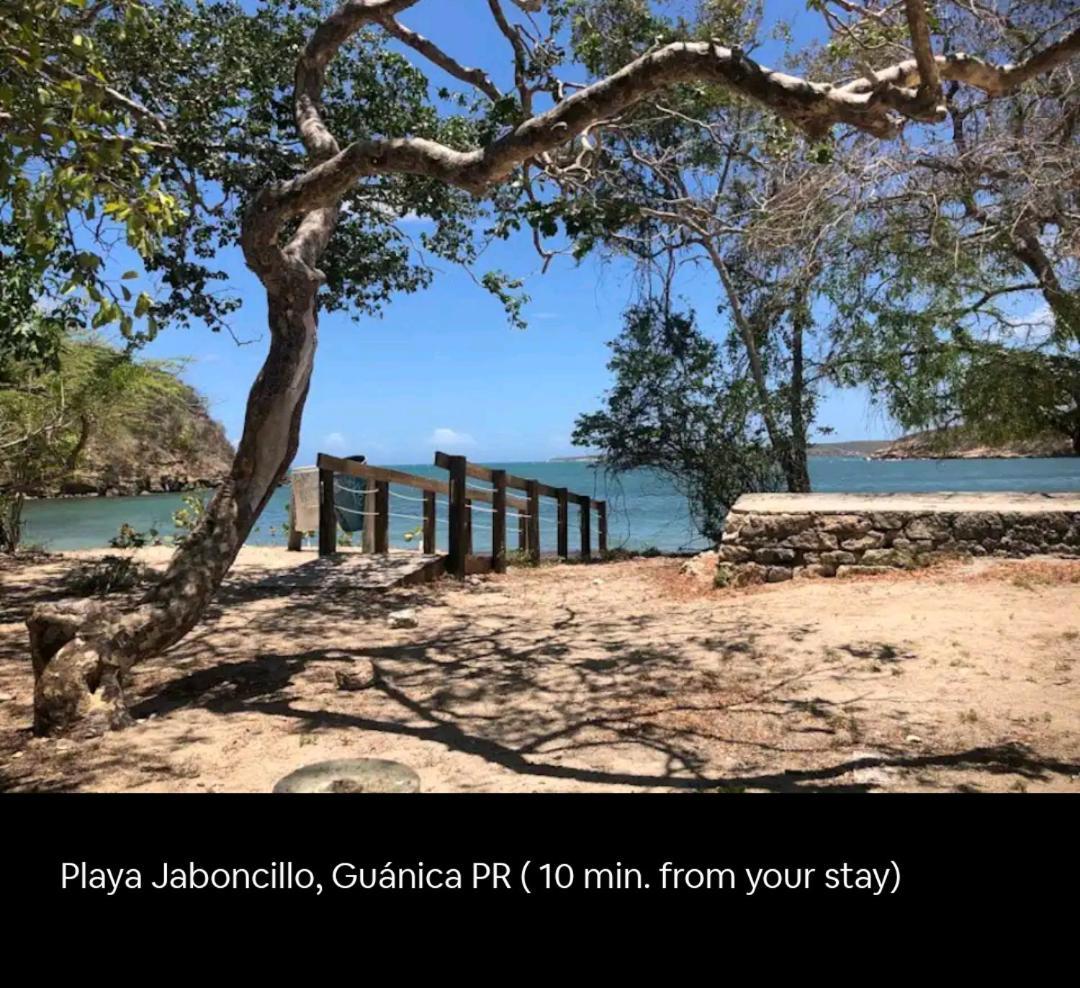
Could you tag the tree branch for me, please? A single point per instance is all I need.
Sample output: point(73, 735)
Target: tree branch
point(475, 77)
point(813, 106)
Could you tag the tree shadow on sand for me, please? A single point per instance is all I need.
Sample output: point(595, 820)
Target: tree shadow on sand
point(517, 699)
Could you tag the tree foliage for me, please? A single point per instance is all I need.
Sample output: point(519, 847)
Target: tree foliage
point(675, 406)
point(137, 133)
point(48, 415)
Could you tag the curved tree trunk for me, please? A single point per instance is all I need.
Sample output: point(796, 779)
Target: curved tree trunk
point(82, 653)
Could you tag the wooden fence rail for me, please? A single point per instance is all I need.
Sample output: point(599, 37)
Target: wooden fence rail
point(462, 498)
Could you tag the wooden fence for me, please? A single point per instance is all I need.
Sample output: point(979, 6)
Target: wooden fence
point(462, 499)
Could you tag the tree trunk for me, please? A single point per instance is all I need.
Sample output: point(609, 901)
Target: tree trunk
point(798, 469)
point(82, 652)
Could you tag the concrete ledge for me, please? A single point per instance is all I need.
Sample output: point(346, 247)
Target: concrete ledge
point(776, 537)
point(903, 501)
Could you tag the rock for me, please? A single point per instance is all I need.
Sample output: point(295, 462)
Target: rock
point(703, 565)
point(402, 619)
point(838, 558)
point(845, 526)
point(843, 571)
point(888, 557)
point(811, 539)
point(777, 574)
point(6, 697)
point(812, 571)
point(887, 520)
point(748, 573)
point(871, 540)
point(913, 739)
point(773, 526)
point(728, 554)
point(932, 527)
point(977, 524)
point(777, 555)
point(360, 677)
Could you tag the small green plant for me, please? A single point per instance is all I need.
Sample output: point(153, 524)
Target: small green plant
point(127, 537)
point(187, 518)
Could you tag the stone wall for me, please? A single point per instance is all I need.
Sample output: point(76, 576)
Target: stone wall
point(775, 537)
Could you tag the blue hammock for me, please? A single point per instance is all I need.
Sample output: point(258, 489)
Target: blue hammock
point(350, 500)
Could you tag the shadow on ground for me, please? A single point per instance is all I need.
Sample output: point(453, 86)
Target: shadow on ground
point(644, 701)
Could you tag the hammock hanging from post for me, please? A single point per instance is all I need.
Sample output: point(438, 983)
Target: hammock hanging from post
point(351, 501)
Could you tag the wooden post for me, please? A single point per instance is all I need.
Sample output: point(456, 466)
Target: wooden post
point(382, 516)
point(327, 514)
point(533, 489)
point(586, 546)
point(601, 527)
point(468, 527)
point(429, 522)
point(498, 521)
point(296, 537)
point(564, 523)
point(458, 520)
point(523, 533)
point(368, 505)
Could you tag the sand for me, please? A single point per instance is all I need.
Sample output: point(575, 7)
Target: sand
point(626, 676)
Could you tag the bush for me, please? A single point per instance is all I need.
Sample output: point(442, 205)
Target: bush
point(127, 538)
point(113, 574)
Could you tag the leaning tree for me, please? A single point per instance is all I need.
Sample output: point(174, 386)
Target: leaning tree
point(82, 653)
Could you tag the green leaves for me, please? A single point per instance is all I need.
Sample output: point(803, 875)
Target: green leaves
point(678, 407)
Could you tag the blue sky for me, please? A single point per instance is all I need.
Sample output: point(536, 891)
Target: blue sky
point(443, 369)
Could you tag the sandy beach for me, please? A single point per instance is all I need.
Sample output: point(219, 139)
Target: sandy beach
point(625, 676)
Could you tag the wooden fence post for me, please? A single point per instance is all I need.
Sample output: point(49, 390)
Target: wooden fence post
point(532, 487)
point(468, 527)
point(586, 546)
point(367, 505)
point(295, 536)
point(498, 521)
point(523, 533)
point(382, 516)
point(564, 523)
point(458, 551)
point(601, 527)
point(327, 514)
point(429, 522)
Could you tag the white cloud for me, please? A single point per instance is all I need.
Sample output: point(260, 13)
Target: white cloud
point(449, 440)
point(1035, 326)
point(335, 442)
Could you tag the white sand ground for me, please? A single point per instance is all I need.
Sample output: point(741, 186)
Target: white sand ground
point(616, 676)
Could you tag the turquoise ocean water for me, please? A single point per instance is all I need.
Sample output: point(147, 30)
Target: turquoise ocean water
point(644, 509)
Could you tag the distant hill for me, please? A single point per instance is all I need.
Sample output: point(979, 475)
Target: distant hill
point(957, 444)
point(857, 448)
point(172, 445)
point(183, 449)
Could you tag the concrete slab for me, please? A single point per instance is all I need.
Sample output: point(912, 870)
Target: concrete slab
point(939, 501)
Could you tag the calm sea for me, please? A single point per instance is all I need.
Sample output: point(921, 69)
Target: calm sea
point(644, 510)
